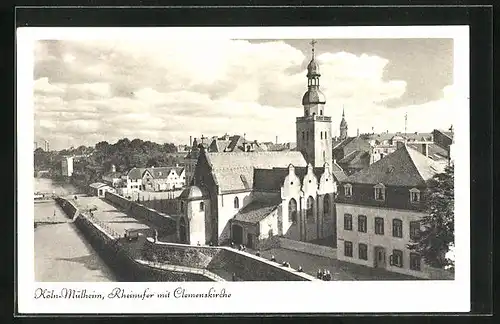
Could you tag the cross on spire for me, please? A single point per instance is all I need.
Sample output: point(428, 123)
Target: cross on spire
point(313, 42)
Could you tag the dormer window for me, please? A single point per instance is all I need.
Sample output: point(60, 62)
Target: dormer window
point(414, 195)
point(348, 190)
point(379, 192)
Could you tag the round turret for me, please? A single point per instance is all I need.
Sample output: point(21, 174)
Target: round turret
point(193, 193)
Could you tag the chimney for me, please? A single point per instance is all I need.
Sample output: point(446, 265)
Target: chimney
point(357, 134)
point(276, 139)
point(190, 141)
point(425, 149)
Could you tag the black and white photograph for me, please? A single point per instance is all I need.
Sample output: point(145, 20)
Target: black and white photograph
point(186, 159)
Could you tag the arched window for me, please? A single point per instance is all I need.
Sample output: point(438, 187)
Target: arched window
point(292, 211)
point(321, 134)
point(310, 209)
point(326, 205)
point(236, 202)
point(202, 206)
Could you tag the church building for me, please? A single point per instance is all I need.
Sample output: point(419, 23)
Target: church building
point(249, 197)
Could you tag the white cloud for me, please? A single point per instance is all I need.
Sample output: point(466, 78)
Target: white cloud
point(169, 91)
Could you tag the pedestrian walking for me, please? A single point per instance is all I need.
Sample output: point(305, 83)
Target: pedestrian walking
point(257, 253)
point(300, 269)
point(320, 274)
point(328, 276)
point(273, 258)
point(234, 276)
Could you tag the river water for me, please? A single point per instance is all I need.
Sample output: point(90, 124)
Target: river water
point(61, 253)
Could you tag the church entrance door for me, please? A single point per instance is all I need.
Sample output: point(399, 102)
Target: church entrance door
point(237, 234)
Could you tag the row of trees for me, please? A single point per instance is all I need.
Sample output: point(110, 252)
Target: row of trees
point(126, 154)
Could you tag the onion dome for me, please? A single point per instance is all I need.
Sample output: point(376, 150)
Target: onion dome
point(313, 68)
point(313, 96)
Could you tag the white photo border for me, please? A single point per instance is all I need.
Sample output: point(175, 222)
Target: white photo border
point(247, 297)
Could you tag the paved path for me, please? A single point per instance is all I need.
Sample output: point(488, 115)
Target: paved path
point(112, 217)
point(339, 270)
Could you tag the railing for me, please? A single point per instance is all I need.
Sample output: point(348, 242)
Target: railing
point(177, 268)
point(102, 225)
point(315, 117)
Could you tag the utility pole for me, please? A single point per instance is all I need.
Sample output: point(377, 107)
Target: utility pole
point(406, 121)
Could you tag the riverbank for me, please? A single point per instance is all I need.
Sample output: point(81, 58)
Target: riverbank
point(61, 253)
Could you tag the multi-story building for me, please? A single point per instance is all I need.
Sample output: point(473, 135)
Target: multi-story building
point(379, 211)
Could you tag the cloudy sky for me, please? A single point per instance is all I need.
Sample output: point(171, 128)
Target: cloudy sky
point(165, 91)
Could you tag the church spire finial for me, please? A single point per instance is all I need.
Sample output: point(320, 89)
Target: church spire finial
point(313, 42)
point(343, 114)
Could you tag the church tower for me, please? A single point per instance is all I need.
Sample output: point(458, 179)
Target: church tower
point(343, 127)
point(314, 130)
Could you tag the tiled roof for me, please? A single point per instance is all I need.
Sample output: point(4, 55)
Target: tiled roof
point(434, 152)
point(269, 179)
point(341, 143)
point(163, 172)
point(136, 173)
point(234, 171)
point(97, 185)
point(403, 167)
point(113, 175)
point(338, 173)
point(257, 210)
point(388, 136)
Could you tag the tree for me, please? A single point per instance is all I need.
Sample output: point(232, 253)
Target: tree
point(437, 228)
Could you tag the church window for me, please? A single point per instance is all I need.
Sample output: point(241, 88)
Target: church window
point(236, 202)
point(202, 206)
point(292, 211)
point(310, 209)
point(321, 135)
point(326, 205)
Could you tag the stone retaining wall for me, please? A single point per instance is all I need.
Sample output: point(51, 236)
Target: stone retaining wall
point(115, 255)
point(246, 266)
point(167, 225)
point(320, 250)
point(67, 206)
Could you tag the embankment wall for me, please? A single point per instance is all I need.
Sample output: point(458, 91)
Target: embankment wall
point(246, 266)
point(115, 255)
point(167, 225)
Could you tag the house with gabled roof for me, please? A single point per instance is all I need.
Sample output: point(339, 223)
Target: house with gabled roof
point(379, 211)
point(163, 178)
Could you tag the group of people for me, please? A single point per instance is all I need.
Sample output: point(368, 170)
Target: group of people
point(324, 275)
